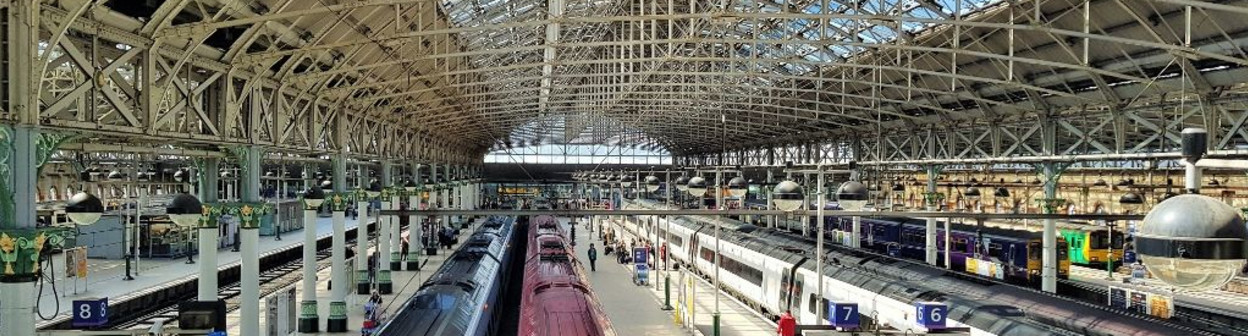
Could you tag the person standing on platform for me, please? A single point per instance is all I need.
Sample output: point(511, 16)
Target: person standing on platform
point(787, 325)
point(403, 249)
point(593, 257)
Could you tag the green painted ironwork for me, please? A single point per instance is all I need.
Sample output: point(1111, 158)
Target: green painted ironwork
point(8, 215)
point(248, 214)
point(383, 276)
point(239, 154)
point(1050, 205)
point(20, 249)
point(932, 198)
point(339, 201)
point(48, 143)
point(307, 309)
point(337, 310)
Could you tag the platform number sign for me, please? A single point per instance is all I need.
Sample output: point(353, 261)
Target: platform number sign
point(843, 315)
point(90, 313)
point(931, 315)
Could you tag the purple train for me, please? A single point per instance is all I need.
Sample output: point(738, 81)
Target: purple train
point(1003, 254)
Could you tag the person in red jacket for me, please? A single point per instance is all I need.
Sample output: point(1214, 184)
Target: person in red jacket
point(788, 325)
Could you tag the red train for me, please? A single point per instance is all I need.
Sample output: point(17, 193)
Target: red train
point(557, 299)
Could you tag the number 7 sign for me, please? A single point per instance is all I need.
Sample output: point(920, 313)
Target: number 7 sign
point(843, 315)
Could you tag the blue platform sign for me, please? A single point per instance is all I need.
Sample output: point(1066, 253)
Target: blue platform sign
point(931, 315)
point(640, 256)
point(843, 315)
point(90, 313)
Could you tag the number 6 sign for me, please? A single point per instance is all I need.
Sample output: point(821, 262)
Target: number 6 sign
point(931, 315)
point(90, 313)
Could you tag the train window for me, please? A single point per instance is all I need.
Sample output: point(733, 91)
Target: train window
point(707, 254)
point(1033, 251)
point(1100, 240)
point(994, 250)
point(825, 309)
point(785, 287)
point(1061, 249)
point(753, 275)
point(801, 284)
point(959, 244)
point(810, 303)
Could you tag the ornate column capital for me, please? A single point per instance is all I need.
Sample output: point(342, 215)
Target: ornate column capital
point(20, 250)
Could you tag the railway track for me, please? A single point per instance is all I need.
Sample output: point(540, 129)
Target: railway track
point(279, 268)
point(270, 282)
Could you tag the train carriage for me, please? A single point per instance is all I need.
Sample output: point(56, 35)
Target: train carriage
point(447, 303)
point(886, 289)
point(1091, 247)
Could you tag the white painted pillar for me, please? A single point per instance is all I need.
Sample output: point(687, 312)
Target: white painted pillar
point(1048, 270)
point(383, 249)
point(855, 234)
point(338, 273)
point(396, 233)
point(930, 248)
point(415, 238)
point(362, 285)
point(18, 299)
point(208, 262)
point(250, 282)
point(249, 190)
point(309, 320)
point(209, 230)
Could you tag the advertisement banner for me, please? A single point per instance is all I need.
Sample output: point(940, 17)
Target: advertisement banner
point(985, 268)
point(80, 261)
point(1154, 304)
point(1160, 306)
point(1118, 298)
point(71, 266)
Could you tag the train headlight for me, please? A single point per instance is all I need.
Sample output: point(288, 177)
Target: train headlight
point(1192, 242)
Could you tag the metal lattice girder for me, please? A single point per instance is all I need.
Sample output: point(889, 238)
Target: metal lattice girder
point(449, 79)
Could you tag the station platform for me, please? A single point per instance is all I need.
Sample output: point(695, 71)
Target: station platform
point(106, 277)
point(1217, 299)
point(406, 284)
point(637, 310)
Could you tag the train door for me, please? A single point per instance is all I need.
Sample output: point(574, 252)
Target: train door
point(791, 284)
point(1010, 263)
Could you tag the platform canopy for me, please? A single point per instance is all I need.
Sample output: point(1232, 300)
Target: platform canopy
point(687, 77)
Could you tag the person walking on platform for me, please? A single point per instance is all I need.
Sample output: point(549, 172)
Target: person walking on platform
point(593, 257)
point(787, 325)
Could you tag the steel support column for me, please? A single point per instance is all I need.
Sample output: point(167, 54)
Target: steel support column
point(338, 268)
point(415, 232)
point(250, 235)
point(208, 231)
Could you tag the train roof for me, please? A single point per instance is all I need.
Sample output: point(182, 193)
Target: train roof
point(426, 313)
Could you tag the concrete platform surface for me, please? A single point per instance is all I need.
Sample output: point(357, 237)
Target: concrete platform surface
point(637, 310)
point(105, 277)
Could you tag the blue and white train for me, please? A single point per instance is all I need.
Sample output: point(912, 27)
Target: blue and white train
point(773, 271)
point(457, 299)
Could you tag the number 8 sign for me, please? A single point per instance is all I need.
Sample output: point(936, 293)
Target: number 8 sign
point(931, 315)
point(90, 313)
